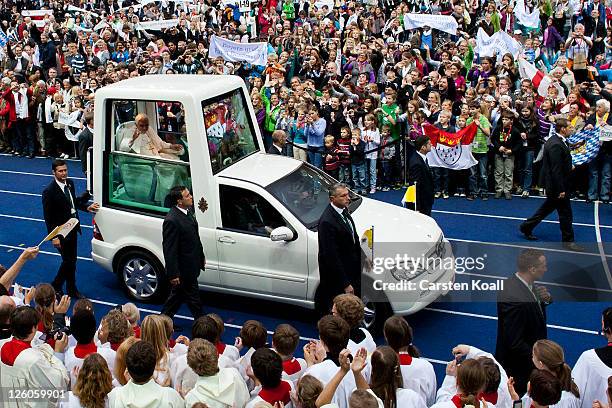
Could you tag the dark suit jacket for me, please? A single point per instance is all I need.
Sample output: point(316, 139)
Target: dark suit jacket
point(85, 142)
point(273, 150)
point(339, 255)
point(521, 322)
point(420, 172)
point(556, 167)
point(56, 206)
point(182, 247)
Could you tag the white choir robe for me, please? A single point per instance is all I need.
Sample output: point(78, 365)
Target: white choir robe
point(368, 343)
point(449, 385)
point(226, 388)
point(243, 365)
point(228, 351)
point(74, 402)
point(148, 395)
point(409, 398)
point(324, 372)
point(591, 376)
point(184, 378)
point(419, 375)
point(381, 404)
point(568, 400)
point(71, 361)
point(293, 370)
point(447, 391)
point(35, 367)
point(451, 404)
point(257, 399)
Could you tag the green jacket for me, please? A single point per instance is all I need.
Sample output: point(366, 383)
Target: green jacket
point(272, 113)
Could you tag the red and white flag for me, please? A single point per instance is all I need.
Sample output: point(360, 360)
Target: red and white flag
point(451, 150)
point(540, 80)
point(39, 17)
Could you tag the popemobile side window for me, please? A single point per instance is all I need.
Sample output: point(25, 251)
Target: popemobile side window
point(246, 211)
point(229, 130)
point(148, 155)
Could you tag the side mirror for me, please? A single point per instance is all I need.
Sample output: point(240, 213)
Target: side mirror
point(281, 234)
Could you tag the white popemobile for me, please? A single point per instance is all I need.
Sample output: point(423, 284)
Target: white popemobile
point(259, 231)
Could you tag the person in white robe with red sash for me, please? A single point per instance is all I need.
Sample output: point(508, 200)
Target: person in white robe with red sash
point(594, 366)
point(141, 391)
point(24, 367)
point(471, 380)
point(83, 328)
point(417, 373)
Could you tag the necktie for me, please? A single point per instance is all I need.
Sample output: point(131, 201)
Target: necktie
point(69, 197)
point(347, 219)
point(192, 217)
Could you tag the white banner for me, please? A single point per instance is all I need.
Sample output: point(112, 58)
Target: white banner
point(606, 133)
point(253, 53)
point(68, 119)
point(100, 25)
point(498, 44)
point(157, 25)
point(531, 20)
point(443, 23)
point(81, 10)
point(329, 3)
point(36, 13)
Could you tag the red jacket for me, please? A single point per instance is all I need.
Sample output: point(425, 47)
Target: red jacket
point(12, 112)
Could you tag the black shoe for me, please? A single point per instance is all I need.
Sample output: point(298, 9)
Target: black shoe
point(528, 234)
point(572, 246)
point(76, 295)
point(605, 201)
point(470, 197)
point(31, 156)
point(485, 197)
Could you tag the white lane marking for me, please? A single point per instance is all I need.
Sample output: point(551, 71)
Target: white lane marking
point(37, 174)
point(42, 252)
point(602, 252)
point(562, 285)
point(505, 217)
point(43, 158)
point(34, 219)
point(20, 193)
point(502, 244)
point(480, 316)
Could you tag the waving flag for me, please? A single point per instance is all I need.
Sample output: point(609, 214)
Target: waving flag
point(539, 80)
point(451, 150)
point(3, 39)
point(584, 146)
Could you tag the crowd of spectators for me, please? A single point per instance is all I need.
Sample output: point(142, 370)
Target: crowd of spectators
point(347, 83)
point(129, 360)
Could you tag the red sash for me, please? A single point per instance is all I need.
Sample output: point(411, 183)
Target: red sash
point(220, 347)
point(280, 393)
point(489, 397)
point(115, 346)
point(11, 350)
point(405, 359)
point(50, 340)
point(457, 400)
point(136, 331)
point(291, 366)
point(83, 350)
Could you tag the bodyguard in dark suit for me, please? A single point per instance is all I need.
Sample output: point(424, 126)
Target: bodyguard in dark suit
point(183, 253)
point(555, 177)
point(419, 172)
point(279, 139)
point(521, 317)
point(339, 251)
point(60, 203)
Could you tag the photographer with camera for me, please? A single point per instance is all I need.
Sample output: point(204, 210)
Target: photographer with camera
point(578, 46)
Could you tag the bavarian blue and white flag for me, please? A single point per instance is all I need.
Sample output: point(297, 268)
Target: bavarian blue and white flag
point(584, 146)
point(3, 39)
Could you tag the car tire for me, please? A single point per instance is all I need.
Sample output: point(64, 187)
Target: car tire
point(376, 312)
point(142, 276)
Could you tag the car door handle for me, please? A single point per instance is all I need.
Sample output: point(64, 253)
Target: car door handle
point(227, 240)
